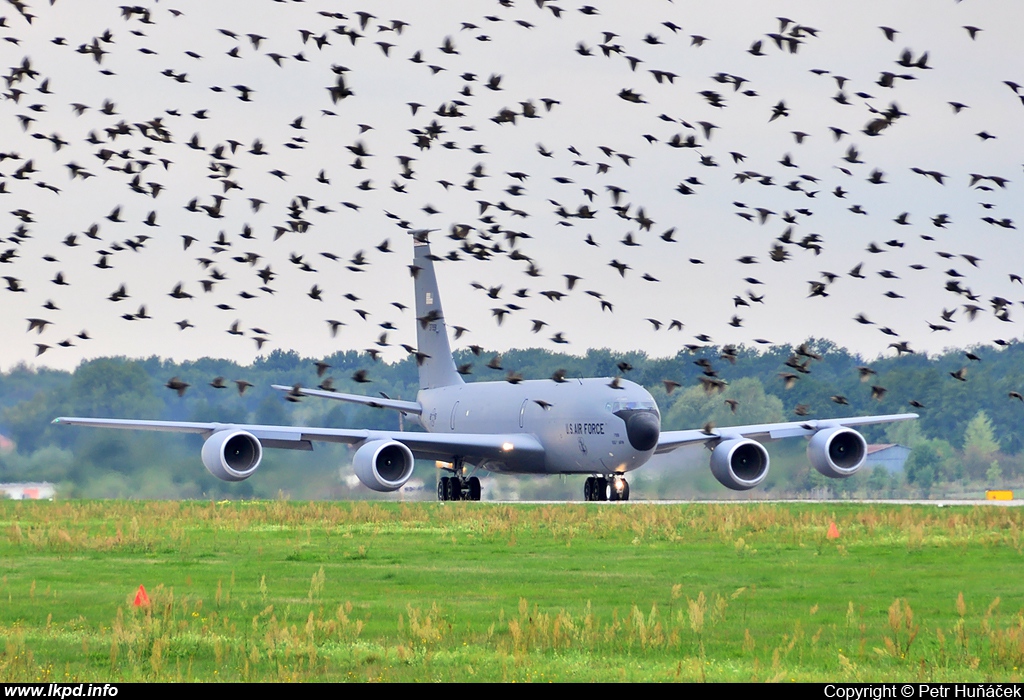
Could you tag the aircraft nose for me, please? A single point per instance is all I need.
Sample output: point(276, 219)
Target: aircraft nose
point(642, 428)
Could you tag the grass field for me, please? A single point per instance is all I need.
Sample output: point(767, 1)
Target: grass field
point(482, 592)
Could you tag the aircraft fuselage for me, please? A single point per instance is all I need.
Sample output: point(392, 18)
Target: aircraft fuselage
point(582, 423)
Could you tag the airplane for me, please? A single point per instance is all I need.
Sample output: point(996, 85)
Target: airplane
point(602, 427)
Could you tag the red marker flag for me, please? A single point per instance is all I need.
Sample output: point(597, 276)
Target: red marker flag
point(833, 531)
point(141, 599)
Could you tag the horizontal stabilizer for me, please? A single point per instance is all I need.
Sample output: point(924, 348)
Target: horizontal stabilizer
point(407, 407)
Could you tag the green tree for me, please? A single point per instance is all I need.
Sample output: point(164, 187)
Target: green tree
point(880, 481)
point(113, 387)
point(994, 475)
point(933, 461)
point(907, 433)
point(923, 466)
point(695, 407)
point(271, 412)
point(45, 464)
point(980, 445)
point(951, 465)
point(28, 422)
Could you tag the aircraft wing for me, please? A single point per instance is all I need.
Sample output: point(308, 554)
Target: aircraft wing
point(407, 407)
point(673, 439)
point(442, 446)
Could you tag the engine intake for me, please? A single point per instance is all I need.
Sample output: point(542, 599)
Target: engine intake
point(232, 455)
point(383, 465)
point(837, 452)
point(740, 463)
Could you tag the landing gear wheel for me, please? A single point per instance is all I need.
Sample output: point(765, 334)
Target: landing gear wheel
point(442, 488)
point(453, 491)
point(474, 488)
point(588, 489)
point(602, 488)
point(625, 491)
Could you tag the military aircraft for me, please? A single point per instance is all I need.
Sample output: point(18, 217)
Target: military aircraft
point(602, 427)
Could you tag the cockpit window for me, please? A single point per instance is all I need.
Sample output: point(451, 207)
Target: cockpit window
point(624, 405)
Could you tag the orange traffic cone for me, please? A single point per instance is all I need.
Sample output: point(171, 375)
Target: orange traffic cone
point(141, 599)
point(833, 531)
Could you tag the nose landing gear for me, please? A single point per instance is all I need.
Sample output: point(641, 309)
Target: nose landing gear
point(600, 488)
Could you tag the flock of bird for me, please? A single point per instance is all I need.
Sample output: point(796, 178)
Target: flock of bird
point(252, 175)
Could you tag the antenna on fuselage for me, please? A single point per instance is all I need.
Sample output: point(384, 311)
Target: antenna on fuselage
point(438, 367)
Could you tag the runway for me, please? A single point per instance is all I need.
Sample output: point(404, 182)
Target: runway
point(942, 503)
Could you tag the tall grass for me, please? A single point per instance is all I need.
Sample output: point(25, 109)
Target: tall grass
point(254, 591)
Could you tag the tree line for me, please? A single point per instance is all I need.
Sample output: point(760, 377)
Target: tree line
point(967, 436)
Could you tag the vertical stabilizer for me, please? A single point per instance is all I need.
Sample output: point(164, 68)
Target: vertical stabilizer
point(438, 368)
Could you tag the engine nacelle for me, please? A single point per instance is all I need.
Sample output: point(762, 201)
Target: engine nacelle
point(383, 465)
point(837, 452)
point(232, 455)
point(740, 463)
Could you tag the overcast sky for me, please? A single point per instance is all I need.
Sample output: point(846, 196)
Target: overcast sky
point(609, 129)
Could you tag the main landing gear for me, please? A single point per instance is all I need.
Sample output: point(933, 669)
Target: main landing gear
point(600, 488)
point(458, 487)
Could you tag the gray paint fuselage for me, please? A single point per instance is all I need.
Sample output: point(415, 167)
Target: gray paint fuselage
point(575, 422)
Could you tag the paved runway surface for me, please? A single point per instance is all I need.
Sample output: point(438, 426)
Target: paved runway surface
point(944, 503)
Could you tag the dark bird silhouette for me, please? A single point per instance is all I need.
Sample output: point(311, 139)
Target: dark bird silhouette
point(177, 385)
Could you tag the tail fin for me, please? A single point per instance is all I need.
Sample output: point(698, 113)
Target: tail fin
point(438, 367)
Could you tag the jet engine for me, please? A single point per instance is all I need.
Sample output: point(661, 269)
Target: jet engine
point(383, 465)
point(837, 452)
point(232, 455)
point(740, 463)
